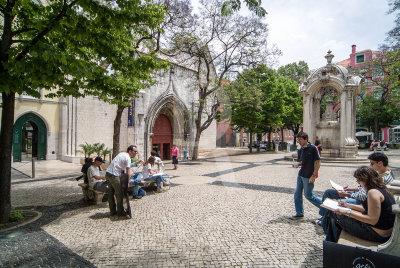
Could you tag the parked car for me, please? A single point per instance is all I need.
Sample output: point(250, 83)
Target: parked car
point(255, 144)
point(264, 145)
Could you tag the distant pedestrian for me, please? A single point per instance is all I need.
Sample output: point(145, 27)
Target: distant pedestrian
point(175, 153)
point(185, 154)
point(310, 163)
point(317, 144)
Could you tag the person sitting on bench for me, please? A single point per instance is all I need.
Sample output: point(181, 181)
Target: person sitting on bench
point(373, 220)
point(149, 174)
point(97, 182)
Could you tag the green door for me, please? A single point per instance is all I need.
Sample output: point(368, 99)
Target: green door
point(41, 136)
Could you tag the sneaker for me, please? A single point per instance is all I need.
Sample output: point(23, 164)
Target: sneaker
point(159, 191)
point(317, 222)
point(297, 217)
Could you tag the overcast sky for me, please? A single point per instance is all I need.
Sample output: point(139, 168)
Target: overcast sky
point(307, 29)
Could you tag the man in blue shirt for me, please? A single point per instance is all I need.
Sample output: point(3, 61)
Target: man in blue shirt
point(310, 163)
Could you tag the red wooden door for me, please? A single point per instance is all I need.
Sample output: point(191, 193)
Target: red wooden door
point(162, 136)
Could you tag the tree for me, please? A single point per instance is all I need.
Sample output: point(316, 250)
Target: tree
point(62, 48)
point(218, 46)
point(256, 100)
point(393, 36)
point(243, 106)
point(293, 114)
point(230, 6)
point(379, 104)
point(294, 71)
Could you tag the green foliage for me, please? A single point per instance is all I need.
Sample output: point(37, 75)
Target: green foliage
point(294, 71)
point(16, 215)
point(261, 100)
point(98, 148)
point(254, 6)
point(106, 151)
point(65, 46)
point(87, 149)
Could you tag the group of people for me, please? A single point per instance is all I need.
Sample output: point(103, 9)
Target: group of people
point(126, 163)
point(364, 211)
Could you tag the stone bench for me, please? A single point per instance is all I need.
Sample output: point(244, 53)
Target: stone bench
point(392, 246)
point(89, 194)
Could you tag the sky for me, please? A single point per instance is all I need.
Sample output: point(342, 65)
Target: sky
point(307, 29)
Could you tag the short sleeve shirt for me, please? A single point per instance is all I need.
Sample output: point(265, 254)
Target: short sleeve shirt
point(93, 171)
point(175, 151)
point(120, 163)
point(146, 172)
point(308, 155)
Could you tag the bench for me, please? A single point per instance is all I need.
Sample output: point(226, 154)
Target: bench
point(89, 194)
point(392, 246)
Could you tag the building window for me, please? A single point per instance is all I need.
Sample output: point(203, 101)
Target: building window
point(360, 58)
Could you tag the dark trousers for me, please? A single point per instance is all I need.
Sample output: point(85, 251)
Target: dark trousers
point(114, 187)
point(333, 224)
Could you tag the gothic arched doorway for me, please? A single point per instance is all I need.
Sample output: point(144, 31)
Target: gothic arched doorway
point(162, 136)
point(29, 138)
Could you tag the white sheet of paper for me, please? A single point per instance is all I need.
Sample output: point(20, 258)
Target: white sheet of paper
point(336, 186)
point(331, 204)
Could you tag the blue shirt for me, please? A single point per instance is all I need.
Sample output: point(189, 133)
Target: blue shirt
point(307, 156)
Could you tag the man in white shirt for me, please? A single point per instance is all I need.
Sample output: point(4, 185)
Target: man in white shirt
point(120, 164)
point(96, 181)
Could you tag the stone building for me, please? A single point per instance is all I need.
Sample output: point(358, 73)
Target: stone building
point(159, 117)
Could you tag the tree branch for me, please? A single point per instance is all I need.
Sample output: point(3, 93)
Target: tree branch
point(22, 31)
point(46, 30)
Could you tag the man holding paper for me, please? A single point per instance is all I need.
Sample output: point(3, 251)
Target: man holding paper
point(310, 163)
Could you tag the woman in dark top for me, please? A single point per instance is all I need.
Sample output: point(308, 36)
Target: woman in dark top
point(373, 220)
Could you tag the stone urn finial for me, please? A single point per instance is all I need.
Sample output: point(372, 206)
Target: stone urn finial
point(329, 57)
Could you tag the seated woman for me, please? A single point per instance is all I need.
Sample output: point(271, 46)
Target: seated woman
point(148, 173)
point(373, 220)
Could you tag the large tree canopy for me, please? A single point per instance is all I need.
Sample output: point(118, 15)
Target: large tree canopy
point(72, 48)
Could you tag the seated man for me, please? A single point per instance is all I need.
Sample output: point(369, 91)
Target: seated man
point(378, 161)
point(158, 162)
point(96, 181)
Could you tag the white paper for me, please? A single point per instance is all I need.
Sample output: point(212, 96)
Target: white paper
point(331, 204)
point(336, 186)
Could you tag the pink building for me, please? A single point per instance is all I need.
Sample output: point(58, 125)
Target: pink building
point(357, 60)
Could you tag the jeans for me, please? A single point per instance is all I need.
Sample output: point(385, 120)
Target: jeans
point(333, 194)
point(114, 187)
point(333, 224)
point(158, 179)
point(298, 197)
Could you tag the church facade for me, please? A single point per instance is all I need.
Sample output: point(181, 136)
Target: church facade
point(157, 118)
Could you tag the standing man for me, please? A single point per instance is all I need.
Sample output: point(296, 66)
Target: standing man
point(310, 163)
point(175, 153)
point(120, 164)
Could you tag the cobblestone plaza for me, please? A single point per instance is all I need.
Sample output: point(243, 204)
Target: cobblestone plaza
point(222, 211)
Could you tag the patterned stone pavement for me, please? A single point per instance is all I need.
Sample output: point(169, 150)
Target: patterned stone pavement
point(225, 211)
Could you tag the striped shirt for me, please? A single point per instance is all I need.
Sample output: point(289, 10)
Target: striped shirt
point(361, 195)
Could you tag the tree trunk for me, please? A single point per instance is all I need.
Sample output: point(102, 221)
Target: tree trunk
point(283, 138)
point(117, 129)
point(376, 126)
point(251, 142)
point(195, 153)
point(6, 136)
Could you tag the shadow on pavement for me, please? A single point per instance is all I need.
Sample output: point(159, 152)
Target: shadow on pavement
point(30, 245)
point(258, 187)
point(314, 257)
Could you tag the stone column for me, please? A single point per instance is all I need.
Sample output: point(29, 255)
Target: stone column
point(62, 131)
point(307, 113)
point(343, 118)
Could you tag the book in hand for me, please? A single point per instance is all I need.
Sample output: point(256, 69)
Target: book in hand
point(331, 204)
point(336, 186)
